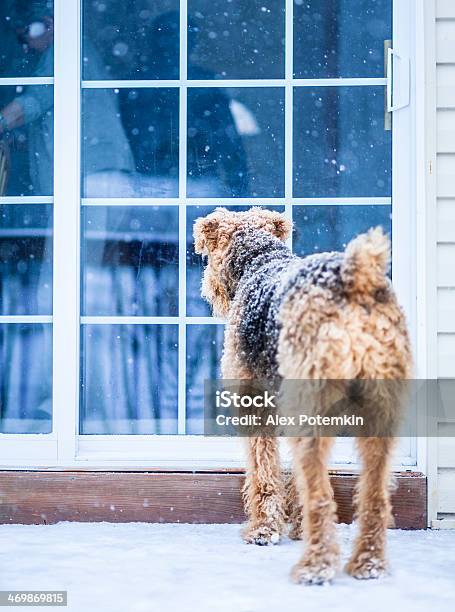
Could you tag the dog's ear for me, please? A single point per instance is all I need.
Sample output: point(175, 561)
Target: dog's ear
point(271, 221)
point(205, 231)
point(282, 227)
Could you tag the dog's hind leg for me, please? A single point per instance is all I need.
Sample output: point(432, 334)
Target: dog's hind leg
point(373, 509)
point(320, 560)
point(263, 493)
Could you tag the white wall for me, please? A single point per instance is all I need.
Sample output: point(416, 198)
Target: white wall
point(445, 197)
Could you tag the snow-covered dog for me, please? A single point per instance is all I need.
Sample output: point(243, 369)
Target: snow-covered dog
point(326, 316)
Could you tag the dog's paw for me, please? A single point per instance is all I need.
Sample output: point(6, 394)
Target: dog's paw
point(262, 535)
point(313, 571)
point(365, 567)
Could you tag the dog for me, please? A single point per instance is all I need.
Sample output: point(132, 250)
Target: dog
point(325, 316)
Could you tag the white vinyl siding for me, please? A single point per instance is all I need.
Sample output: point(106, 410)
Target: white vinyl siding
point(445, 191)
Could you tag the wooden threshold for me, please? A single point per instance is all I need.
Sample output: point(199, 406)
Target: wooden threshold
point(43, 497)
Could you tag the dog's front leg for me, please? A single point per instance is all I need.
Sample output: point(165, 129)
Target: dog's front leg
point(320, 560)
point(263, 493)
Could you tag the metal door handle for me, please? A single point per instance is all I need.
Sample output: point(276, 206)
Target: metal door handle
point(398, 89)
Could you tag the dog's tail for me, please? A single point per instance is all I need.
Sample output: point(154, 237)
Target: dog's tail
point(366, 262)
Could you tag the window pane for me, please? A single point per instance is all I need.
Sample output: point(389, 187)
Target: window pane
point(203, 355)
point(129, 379)
point(235, 40)
point(130, 142)
point(131, 40)
point(27, 144)
point(195, 305)
point(235, 142)
point(329, 228)
point(130, 260)
point(150, 118)
point(25, 260)
point(25, 378)
point(340, 145)
point(340, 38)
point(26, 38)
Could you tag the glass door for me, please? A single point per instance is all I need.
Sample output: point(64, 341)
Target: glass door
point(162, 111)
point(26, 227)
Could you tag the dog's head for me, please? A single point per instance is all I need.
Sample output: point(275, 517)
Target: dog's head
point(212, 238)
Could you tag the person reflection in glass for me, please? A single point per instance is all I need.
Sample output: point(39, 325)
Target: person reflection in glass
point(107, 156)
point(216, 159)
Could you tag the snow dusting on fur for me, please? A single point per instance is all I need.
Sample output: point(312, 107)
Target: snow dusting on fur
point(260, 271)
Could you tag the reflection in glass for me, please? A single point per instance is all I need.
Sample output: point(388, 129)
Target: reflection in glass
point(195, 305)
point(27, 140)
point(340, 145)
point(25, 260)
point(329, 228)
point(25, 378)
point(236, 40)
point(130, 142)
point(204, 348)
point(129, 379)
point(26, 35)
point(135, 40)
point(340, 38)
point(26, 127)
point(130, 260)
point(151, 121)
point(107, 160)
point(235, 142)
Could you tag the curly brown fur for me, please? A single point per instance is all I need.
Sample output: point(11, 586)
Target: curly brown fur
point(321, 557)
point(212, 238)
point(327, 316)
point(263, 493)
point(374, 512)
point(293, 508)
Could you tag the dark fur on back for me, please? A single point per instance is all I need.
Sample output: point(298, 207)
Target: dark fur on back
point(260, 271)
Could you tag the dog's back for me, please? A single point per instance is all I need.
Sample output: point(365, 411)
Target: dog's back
point(330, 315)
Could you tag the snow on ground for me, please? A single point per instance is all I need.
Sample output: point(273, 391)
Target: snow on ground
point(206, 568)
